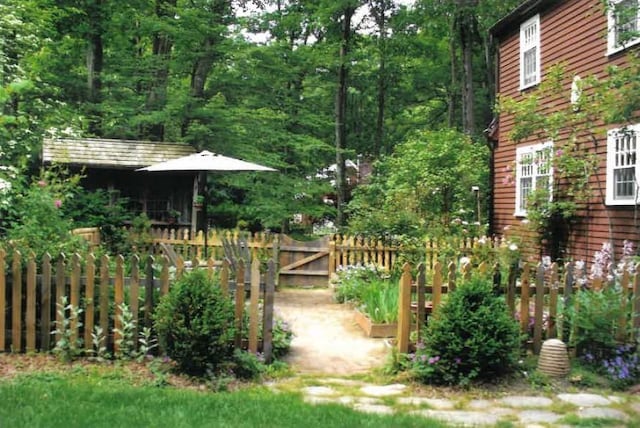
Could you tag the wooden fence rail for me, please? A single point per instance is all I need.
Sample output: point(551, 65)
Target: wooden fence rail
point(30, 292)
point(532, 294)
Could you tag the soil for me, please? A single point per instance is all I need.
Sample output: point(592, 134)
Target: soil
point(327, 340)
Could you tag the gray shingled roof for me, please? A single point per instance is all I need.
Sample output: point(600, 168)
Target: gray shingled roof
point(117, 154)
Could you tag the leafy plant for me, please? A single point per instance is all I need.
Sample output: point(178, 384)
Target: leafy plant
point(98, 340)
point(126, 335)
point(351, 280)
point(471, 337)
point(40, 224)
point(195, 323)
point(67, 348)
point(594, 317)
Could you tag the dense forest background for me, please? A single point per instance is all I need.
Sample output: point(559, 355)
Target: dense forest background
point(297, 86)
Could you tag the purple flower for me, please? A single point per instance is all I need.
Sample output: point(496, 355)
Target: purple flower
point(58, 203)
point(434, 360)
point(458, 360)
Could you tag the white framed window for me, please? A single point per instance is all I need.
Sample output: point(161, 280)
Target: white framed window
point(622, 165)
point(533, 171)
point(623, 24)
point(530, 52)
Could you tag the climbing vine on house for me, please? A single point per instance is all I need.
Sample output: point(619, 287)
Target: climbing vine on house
point(573, 113)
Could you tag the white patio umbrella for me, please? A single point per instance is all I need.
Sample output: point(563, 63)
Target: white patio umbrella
point(205, 162)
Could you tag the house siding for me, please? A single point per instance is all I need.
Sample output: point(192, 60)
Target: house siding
point(572, 33)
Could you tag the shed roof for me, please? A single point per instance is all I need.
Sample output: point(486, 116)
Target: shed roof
point(114, 154)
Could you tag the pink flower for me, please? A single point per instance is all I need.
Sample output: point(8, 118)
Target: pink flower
point(42, 183)
point(559, 152)
point(58, 203)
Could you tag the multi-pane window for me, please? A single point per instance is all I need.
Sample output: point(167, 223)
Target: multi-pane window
point(622, 165)
point(530, 52)
point(623, 24)
point(534, 171)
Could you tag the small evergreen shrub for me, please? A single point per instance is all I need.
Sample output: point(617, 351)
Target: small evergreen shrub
point(195, 324)
point(472, 337)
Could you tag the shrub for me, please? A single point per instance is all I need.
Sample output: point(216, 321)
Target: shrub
point(195, 324)
point(471, 337)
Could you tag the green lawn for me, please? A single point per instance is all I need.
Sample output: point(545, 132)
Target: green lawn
point(86, 400)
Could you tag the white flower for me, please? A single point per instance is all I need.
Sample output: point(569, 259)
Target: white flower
point(513, 247)
point(464, 260)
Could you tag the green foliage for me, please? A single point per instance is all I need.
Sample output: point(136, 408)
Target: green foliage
point(247, 365)
point(425, 185)
point(195, 324)
point(282, 335)
point(471, 337)
point(104, 209)
point(379, 301)
point(371, 289)
point(594, 316)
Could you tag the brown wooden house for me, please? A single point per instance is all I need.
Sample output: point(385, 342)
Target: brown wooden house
point(585, 36)
point(166, 198)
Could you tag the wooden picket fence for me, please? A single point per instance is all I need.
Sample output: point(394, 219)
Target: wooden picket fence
point(530, 288)
point(191, 246)
point(30, 291)
point(320, 258)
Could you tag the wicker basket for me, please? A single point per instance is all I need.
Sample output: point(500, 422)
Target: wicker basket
point(554, 359)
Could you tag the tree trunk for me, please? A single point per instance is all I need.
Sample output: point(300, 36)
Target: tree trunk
point(453, 59)
point(95, 60)
point(340, 112)
point(467, 29)
point(157, 95)
point(379, 12)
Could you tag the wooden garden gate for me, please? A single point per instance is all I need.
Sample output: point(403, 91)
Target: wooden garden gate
point(304, 263)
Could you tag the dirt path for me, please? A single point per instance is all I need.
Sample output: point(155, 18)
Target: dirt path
point(327, 340)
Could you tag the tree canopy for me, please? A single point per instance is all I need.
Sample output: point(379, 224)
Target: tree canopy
point(294, 85)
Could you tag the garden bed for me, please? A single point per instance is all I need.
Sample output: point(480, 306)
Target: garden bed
point(372, 329)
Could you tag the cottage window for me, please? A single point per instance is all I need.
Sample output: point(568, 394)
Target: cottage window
point(622, 165)
point(533, 172)
point(623, 19)
point(530, 52)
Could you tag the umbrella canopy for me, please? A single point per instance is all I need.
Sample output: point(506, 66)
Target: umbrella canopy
point(205, 161)
point(202, 163)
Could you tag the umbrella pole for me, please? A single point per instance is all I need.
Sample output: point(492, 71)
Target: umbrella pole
point(204, 215)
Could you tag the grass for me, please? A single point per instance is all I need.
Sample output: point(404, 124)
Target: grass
point(84, 398)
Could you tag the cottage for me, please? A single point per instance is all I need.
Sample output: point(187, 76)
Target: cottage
point(587, 37)
point(111, 164)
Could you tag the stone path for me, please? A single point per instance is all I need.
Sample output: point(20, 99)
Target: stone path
point(519, 410)
point(326, 337)
point(328, 343)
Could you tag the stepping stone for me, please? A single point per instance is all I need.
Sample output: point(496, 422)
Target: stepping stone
point(538, 416)
point(584, 399)
point(312, 399)
point(319, 390)
point(480, 404)
point(368, 400)
point(374, 408)
point(522, 401)
point(383, 391)
point(603, 412)
point(459, 417)
point(434, 403)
